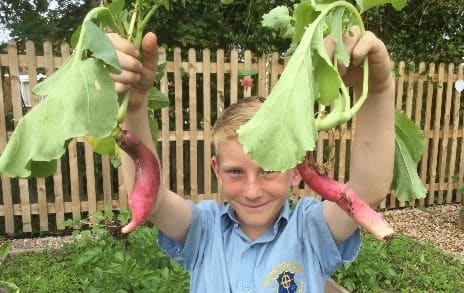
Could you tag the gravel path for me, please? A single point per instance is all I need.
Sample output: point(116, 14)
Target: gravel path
point(437, 224)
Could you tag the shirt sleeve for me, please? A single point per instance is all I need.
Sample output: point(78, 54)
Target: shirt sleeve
point(316, 233)
point(190, 253)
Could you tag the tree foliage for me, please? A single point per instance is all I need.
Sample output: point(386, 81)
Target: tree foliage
point(423, 30)
point(42, 20)
point(211, 24)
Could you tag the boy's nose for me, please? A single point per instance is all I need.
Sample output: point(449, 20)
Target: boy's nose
point(252, 188)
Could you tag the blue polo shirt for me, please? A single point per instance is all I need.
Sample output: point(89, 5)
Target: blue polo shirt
point(297, 254)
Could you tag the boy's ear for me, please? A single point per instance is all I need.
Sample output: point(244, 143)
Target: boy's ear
point(296, 177)
point(215, 166)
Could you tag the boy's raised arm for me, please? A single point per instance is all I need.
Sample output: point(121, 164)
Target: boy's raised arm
point(373, 147)
point(171, 213)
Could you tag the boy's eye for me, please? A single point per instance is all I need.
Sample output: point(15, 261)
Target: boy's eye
point(269, 172)
point(234, 171)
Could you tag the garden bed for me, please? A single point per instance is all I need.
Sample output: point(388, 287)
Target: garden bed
point(437, 224)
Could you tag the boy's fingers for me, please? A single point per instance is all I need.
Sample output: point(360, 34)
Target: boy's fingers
point(370, 45)
point(126, 76)
point(121, 87)
point(123, 45)
point(128, 62)
point(149, 49)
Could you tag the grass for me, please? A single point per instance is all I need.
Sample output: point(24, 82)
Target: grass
point(136, 264)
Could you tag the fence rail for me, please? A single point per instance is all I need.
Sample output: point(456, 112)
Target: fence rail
point(200, 84)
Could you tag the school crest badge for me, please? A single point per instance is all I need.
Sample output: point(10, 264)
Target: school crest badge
point(286, 281)
point(283, 278)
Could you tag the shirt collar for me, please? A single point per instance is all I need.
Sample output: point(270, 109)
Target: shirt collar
point(228, 217)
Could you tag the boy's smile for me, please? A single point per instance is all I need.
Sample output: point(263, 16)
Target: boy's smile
point(255, 195)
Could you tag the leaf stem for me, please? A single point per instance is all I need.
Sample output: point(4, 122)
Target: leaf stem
point(123, 108)
point(89, 16)
point(132, 22)
point(335, 117)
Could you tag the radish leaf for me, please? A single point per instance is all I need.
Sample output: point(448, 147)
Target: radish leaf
point(364, 5)
point(285, 120)
point(409, 145)
point(284, 128)
point(80, 101)
point(282, 131)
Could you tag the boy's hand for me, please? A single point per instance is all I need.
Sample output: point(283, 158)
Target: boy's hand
point(138, 68)
point(358, 48)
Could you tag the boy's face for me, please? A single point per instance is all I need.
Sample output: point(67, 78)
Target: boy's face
point(256, 196)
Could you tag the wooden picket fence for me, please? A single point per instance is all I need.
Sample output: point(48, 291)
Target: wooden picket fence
point(200, 86)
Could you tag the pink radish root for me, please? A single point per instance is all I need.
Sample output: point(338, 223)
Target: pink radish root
point(144, 192)
point(345, 198)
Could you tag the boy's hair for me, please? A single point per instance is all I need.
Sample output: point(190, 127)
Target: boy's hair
point(233, 117)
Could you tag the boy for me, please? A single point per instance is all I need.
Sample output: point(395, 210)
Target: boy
point(255, 243)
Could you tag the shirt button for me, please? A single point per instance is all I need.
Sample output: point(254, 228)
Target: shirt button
point(246, 287)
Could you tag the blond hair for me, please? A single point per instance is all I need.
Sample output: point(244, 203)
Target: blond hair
point(233, 117)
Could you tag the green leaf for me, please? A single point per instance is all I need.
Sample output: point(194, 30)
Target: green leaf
point(4, 250)
point(246, 72)
point(164, 3)
point(335, 22)
point(364, 5)
point(406, 181)
point(81, 101)
point(160, 69)
point(105, 19)
point(156, 99)
point(101, 47)
point(104, 146)
point(280, 20)
point(409, 145)
point(326, 75)
point(227, 1)
point(304, 15)
point(75, 36)
point(286, 116)
point(410, 134)
point(154, 127)
point(116, 6)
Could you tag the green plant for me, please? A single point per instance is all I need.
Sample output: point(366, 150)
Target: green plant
point(8, 287)
point(99, 259)
point(4, 250)
point(135, 260)
point(81, 99)
point(311, 82)
point(401, 265)
point(4, 285)
point(46, 271)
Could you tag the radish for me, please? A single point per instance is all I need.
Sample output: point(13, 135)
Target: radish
point(144, 192)
point(311, 96)
point(345, 198)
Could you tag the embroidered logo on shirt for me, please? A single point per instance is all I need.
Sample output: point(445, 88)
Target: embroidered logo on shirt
point(283, 277)
point(286, 282)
